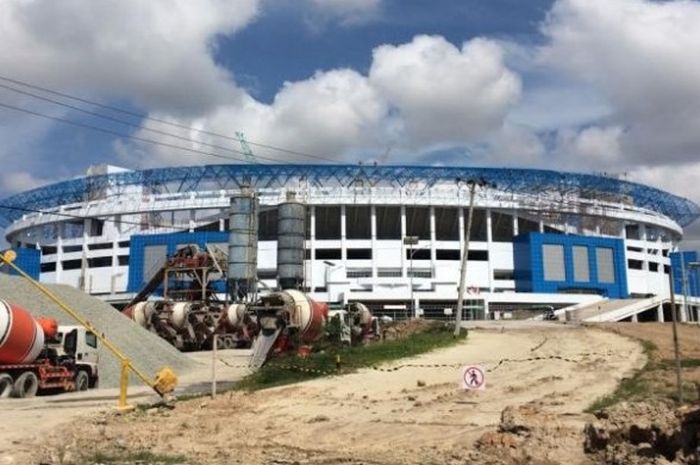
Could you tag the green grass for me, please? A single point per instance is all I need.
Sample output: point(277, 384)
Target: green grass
point(135, 457)
point(634, 388)
point(290, 369)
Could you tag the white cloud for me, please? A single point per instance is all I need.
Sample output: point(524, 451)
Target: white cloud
point(640, 54)
point(593, 149)
point(445, 94)
point(19, 181)
point(156, 53)
point(417, 96)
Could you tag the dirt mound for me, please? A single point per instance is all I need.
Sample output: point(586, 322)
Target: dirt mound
point(644, 433)
point(406, 328)
point(527, 435)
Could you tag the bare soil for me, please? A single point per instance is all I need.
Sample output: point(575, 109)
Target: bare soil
point(530, 412)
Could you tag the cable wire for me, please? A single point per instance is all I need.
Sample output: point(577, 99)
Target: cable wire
point(162, 121)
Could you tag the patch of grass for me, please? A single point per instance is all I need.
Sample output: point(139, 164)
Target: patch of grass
point(135, 457)
point(636, 387)
point(291, 369)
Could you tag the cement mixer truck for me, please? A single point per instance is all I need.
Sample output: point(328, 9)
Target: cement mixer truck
point(38, 356)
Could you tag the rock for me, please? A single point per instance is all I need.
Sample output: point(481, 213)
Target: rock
point(420, 383)
point(318, 419)
point(493, 439)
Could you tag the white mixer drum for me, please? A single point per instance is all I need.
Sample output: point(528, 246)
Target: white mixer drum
point(179, 316)
point(142, 313)
point(235, 314)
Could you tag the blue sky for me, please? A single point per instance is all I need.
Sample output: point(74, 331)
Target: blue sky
point(579, 85)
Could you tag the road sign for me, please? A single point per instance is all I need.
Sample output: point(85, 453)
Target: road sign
point(473, 378)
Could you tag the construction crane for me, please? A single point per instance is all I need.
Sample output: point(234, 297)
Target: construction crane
point(247, 151)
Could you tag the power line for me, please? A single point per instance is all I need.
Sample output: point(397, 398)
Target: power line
point(128, 136)
point(158, 120)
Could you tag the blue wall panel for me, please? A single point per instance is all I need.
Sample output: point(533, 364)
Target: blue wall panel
point(29, 260)
point(529, 258)
point(688, 259)
point(172, 241)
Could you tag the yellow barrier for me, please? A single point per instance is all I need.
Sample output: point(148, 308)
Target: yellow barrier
point(164, 382)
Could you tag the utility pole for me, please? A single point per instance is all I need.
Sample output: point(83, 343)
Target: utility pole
point(676, 350)
point(411, 241)
point(473, 184)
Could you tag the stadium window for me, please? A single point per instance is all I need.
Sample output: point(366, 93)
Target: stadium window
point(359, 254)
point(267, 225)
point(667, 269)
point(635, 249)
point(552, 230)
point(71, 264)
point(418, 254)
point(48, 267)
point(388, 222)
point(328, 254)
point(635, 264)
point(72, 248)
point(267, 274)
point(99, 262)
point(447, 254)
point(478, 232)
point(503, 275)
point(48, 250)
point(418, 222)
point(632, 231)
point(526, 226)
point(478, 256)
point(358, 223)
point(100, 246)
point(653, 266)
point(327, 222)
point(123, 260)
point(652, 234)
point(96, 227)
point(73, 229)
point(124, 244)
point(446, 224)
point(501, 227)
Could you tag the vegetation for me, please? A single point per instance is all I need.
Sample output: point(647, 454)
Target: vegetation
point(135, 457)
point(291, 369)
point(635, 388)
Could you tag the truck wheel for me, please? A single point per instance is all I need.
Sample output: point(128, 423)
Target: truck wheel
point(82, 381)
point(26, 385)
point(6, 383)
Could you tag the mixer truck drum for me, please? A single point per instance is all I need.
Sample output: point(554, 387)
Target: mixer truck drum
point(21, 337)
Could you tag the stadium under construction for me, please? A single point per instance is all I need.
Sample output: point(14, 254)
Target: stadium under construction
point(388, 236)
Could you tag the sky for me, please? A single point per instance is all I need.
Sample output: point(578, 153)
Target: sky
point(595, 86)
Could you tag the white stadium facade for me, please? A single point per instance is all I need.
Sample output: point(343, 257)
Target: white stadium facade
point(389, 236)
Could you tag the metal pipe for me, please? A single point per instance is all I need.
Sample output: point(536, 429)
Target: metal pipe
point(463, 265)
point(676, 349)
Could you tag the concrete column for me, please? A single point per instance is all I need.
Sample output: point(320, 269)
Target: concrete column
point(684, 312)
point(660, 313)
point(635, 318)
point(343, 236)
point(404, 262)
point(489, 248)
point(433, 258)
point(312, 246)
point(373, 233)
point(516, 228)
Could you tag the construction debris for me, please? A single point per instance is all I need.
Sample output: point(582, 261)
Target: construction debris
point(644, 433)
point(147, 350)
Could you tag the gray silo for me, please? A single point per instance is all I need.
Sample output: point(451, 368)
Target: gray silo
point(243, 245)
point(291, 228)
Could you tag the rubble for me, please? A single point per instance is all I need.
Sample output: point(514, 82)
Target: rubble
point(644, 433)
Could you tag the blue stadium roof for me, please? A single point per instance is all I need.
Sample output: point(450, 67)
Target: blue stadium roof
point(213, 177)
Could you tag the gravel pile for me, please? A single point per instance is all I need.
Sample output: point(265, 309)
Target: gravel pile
point(147, 351)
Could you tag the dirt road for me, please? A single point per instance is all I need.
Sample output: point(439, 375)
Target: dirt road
point(409, 416)
point(33, 418)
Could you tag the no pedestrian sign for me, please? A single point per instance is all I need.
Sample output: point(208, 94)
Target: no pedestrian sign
point(473, 378)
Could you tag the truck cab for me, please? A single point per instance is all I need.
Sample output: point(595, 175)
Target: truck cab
point(80, 345)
